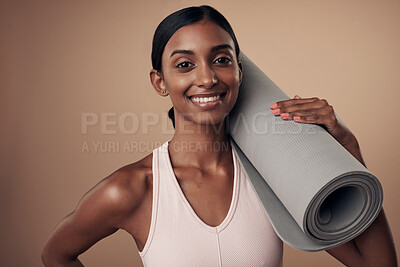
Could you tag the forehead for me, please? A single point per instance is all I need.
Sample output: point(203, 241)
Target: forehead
point(198, 36)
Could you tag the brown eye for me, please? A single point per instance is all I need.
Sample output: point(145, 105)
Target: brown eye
point(223, 60)
point(183, 65)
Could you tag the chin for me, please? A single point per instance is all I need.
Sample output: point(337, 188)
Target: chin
point(209, 119)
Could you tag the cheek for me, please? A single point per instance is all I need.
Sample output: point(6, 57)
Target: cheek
point(179, 84)
point(177, 87)
point(232, 79)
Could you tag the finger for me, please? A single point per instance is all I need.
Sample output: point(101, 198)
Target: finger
point(301, 113)
point(312, 118)
point(291, 102)
point(297, 97)
point(323, 119)
point(306, 112)
point(310, 107)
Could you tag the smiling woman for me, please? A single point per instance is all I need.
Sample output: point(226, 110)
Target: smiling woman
point(177, 52)
point(189, 203)
point(204, 66)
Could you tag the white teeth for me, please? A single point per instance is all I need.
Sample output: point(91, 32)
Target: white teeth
point(205, 99)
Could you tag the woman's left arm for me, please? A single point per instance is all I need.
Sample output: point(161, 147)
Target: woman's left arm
point(375, 246)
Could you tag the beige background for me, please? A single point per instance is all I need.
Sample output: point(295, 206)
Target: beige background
point(62, 59)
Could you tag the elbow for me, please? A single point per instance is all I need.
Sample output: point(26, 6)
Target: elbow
point(45, 256)
point(51, 258)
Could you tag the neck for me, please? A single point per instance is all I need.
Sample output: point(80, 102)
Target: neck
point(204, 146)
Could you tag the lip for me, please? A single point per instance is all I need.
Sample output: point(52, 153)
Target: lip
point(208, 105)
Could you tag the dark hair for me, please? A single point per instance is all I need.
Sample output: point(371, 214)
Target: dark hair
point(177, 20)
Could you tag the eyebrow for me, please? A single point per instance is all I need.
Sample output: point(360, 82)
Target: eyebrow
point(213, 49)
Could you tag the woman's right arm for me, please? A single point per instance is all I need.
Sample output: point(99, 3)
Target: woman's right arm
point(100, 213)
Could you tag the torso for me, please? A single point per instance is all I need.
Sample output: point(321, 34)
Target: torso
point(209, 194)
point(181, 234)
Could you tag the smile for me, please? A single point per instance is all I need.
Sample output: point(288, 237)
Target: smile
point(207, 101)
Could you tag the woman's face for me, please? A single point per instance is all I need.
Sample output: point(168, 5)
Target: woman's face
point(201, 73)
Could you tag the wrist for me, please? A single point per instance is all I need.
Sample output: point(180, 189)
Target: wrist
point(349, 140)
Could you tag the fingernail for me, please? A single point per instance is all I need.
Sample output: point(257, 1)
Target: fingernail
point(284, 115)
point(273, 106)
point(296, 117)
point(276, 111)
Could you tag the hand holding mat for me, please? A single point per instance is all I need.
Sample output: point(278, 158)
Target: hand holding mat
point(316, 194)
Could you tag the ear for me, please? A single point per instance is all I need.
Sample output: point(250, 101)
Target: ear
point(157, 80)
point(240, 71)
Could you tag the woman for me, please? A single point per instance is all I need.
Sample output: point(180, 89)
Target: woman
point(187, 203)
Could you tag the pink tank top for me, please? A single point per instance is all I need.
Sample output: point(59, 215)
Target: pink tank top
point(178, 237)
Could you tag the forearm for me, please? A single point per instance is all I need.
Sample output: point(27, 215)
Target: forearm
point(351, 144)
point(375, 246)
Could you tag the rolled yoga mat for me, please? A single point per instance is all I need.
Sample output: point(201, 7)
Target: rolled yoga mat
point(316, 194)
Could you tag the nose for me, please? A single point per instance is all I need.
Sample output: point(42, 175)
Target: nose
point(205, 77)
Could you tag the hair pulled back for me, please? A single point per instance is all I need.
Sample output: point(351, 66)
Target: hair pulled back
point(177, 20)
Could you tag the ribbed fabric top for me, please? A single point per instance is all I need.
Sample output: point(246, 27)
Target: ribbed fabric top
point(178, 237)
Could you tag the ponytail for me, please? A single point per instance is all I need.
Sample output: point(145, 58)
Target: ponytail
point(171, 115)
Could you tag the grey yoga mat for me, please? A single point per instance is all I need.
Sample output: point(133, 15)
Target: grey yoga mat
point(316, 194)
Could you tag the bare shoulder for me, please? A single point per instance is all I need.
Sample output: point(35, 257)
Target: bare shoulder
point(121, 193)
point(129, 184)
point(101, 211)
